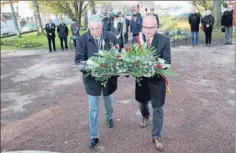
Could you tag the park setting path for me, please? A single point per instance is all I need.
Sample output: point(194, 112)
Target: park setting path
point(44, 105)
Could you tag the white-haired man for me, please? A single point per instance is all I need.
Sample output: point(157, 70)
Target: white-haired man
point(88, 44)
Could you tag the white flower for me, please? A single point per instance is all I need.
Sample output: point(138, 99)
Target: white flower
point(90, 62)
point(161, 61)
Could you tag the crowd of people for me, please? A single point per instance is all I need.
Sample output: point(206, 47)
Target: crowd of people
point(121, 24)
point(207, 22)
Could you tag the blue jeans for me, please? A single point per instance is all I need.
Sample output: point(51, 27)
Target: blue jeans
point(196, 35)
point(93, 102)
point(157, 119)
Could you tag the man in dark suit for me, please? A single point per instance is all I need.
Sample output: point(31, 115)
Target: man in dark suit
point(50, 30)
point(88, 44)
point(153, 87)
point(62, 31)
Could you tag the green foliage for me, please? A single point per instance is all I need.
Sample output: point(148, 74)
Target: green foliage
point(29, 39)
point(137, 61)
point(20, 43)
point(202, 6)
point(169, 23)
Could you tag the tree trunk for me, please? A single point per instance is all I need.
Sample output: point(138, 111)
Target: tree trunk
point(217, 12)
point(86, 18)
point(93, 7)
point(14, 19)
point(37, 17)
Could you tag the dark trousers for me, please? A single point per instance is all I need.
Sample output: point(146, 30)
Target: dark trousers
point(63, 39)
point(208, 34)
point(121, 43)
point(157, 119)
point(74, 42)
point(51, 42)
point(126, 37)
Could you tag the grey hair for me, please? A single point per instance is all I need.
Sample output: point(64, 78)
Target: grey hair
point(95, 19)
point(208, 12)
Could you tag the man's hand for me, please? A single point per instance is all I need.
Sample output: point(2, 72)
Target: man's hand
point(82, 65)
point(207, 25)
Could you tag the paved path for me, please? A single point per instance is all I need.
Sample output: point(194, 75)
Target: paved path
point(44, 106)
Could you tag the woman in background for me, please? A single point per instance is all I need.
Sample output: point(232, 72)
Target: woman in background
point(208, 22)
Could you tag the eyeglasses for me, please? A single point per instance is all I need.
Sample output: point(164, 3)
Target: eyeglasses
point(149, 28)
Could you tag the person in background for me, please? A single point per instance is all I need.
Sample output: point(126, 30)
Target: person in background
point(139, 18)
point(62, 31)
point(194, 21)
point(208, 22)
point(227, 23)
point(156, 16)
point(107, 22)
point(50, 29)
point(127, 27)
point(135, 28)
point(118, 30)
point(75, 28)
point(87, 45)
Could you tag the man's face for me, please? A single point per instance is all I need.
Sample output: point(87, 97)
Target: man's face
point(152, 11)
point(135, 18)
point(49, 21)
point(95, 29)
point(149, 28)
point(193, 10)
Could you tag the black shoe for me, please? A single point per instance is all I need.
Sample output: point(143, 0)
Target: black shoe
point(50, 51)
point(93, 142)
point(55, 50)
point(110, 123)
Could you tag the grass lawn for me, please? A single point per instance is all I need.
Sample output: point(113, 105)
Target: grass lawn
point(32, 37)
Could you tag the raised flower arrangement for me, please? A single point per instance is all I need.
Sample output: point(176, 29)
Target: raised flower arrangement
point(135, 61)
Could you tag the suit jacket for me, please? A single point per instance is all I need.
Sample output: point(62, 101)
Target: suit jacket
point(85, 48)
point(50, 30)
point(154, 88)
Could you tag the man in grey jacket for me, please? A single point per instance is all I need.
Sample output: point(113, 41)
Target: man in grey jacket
point(87, 45)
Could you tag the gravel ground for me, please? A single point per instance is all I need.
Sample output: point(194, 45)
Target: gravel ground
point(44, 105)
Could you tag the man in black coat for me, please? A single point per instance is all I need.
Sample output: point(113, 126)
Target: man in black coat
point(153, 87)
point(62, 31)
point(227, 23)
point(107, 22)
point(88, 44)
point(50, 30)
point(194, 21)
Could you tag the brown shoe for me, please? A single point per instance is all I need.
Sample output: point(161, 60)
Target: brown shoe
point(143, 122)
point(158, 144)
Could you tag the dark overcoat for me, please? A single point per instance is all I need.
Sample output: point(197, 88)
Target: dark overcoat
point(154, 88)
point(85, 48)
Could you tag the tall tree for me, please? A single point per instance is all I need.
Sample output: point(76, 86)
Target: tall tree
point(37, 17)
point(217, 12)
point(74, 9)
point(15, 19)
